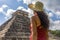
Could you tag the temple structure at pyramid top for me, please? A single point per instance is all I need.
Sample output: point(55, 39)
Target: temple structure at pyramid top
point(17, 28)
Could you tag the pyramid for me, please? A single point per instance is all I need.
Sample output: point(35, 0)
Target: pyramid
point(19, 30)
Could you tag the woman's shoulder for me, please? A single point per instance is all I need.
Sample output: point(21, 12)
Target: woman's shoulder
point(37, 20)
point(34, 17)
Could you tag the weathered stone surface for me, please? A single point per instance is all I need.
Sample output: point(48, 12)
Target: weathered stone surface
point(19, 30)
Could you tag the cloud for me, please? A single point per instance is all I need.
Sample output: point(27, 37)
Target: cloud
point(44, 1)
point(53, 4)
point(27, 1)
point(6, 18)
point(57, 13)
point(18, 0)
point(50, 14)
point(1, 9)
point(27, 10)
point(54, 25)
point(20, 7)
point(3, 6)
point(8, 13)
point(57, 24)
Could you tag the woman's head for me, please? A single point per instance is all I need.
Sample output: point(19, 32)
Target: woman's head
point(38, 10)
point(43, 18)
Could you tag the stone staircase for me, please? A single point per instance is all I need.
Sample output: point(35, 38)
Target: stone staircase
point(5, 29)
point(19, 27)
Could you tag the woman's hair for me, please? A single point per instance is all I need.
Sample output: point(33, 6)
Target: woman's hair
point(43, 18)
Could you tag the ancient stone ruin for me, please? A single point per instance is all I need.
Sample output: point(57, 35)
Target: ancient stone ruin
point(19, 28)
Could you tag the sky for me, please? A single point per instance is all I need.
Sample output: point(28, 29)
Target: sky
point(7, 7)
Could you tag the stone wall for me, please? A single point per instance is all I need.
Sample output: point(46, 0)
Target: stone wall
point(19, 30)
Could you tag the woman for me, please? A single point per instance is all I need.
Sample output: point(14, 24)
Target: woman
point(39, 22)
